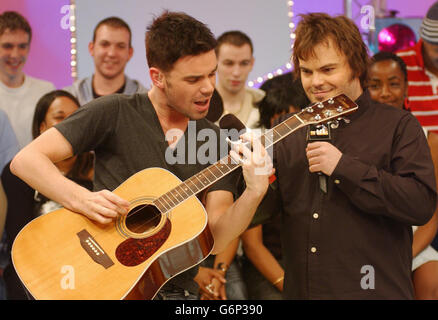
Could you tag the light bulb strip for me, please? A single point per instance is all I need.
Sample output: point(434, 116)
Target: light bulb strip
point(73, 41)
point(287, 67)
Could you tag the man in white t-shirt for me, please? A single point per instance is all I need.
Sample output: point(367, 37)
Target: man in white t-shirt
point(19, 92)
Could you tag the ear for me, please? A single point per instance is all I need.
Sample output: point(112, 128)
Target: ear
point(43, 127)
point(252, 62)
point(157, 77)
point(131, 52)
point(91, 48)
point(406, 89)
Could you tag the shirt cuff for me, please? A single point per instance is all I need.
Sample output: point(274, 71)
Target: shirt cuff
point(350, 173)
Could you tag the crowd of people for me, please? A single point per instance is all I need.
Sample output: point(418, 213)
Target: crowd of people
point(278, 233)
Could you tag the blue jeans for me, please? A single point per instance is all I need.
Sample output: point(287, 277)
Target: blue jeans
point(259, 288)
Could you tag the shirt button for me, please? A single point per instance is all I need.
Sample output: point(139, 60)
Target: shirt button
point(337, 181)
point(315, 215)
point(313, 249)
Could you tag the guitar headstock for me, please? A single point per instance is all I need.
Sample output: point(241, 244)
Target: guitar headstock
point(331, 109)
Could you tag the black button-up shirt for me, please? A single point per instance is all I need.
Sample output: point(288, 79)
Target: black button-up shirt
point(355, 241)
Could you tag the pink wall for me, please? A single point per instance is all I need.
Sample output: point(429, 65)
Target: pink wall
point(49, 56)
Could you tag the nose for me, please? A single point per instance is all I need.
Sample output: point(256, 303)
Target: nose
point(317, 80)
point(111, 51)
point(207, 87)
point(15, 52)
point(236, 71)
point(385, 93)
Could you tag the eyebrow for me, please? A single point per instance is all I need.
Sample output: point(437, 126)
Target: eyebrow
point(199, 76)
point(329, 65)
point(59, 112)
point(322, 67)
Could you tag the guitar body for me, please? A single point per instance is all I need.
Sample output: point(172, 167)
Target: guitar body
point(64, 255)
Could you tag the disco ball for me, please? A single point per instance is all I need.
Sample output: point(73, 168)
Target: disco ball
point(396, 37)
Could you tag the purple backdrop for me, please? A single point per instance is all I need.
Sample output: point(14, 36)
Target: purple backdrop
point(49, 56)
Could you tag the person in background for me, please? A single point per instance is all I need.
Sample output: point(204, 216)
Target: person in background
point(235, 54)
point(19, 92)
point(8, 141)
point(388, 84)
point(422, 67)
point(25, 203)
point(111, 50)
point(8, 148)
point(262, 264)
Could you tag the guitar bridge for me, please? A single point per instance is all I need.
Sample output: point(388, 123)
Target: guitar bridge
point(94, 250)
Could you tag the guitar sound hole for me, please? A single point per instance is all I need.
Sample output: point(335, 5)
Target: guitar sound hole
point(143, 218)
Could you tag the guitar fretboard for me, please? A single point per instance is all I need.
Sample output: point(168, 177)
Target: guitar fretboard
point(226, 165)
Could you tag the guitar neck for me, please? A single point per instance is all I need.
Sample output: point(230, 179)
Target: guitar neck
point(325, 111)
point(220, 169)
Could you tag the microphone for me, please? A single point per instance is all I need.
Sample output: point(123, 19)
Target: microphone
point(230, 122)
point(234, 128)
point(216, 107)
point(319, 132)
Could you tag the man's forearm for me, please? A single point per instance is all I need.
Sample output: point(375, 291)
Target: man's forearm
point(38, 171)
point(234, 221)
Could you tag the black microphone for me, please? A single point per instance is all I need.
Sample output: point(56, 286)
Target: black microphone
point(319, 132)
point(230, 122)
point(216, 107)
point(234, 128)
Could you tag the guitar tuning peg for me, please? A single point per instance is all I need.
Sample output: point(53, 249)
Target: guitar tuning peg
point(334, 124)
point(345, 120)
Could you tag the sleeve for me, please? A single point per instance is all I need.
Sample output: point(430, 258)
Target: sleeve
point(407, 193)
point(20, 204)
point(8, 141)
point(91, 124)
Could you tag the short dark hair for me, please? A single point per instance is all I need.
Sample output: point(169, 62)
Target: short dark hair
point(282, 92)
point(317, 28)
point(174, 35)
point(43, 105)
point(114, 22)
point(234, 37)
point(385, 55)
point(85, 161)
point(14, 21)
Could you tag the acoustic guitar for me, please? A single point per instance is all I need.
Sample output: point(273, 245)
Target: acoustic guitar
point(64, 255)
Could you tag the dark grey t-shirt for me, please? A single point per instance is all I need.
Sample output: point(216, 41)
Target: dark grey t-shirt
point(126, 135)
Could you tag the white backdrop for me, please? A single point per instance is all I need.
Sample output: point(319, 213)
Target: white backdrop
point(266, 22)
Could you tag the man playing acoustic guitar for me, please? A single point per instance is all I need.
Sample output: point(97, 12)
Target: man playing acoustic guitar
point(128, 134)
